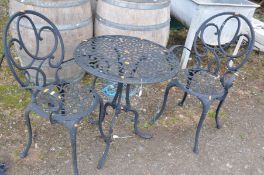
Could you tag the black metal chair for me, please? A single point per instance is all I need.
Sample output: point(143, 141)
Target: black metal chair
point(211, 73)
point(57, 100)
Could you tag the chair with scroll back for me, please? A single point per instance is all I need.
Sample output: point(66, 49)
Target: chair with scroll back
point(60, 101)
point(211, 73)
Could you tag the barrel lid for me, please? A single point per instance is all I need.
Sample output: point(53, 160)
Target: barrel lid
point(53, 3)
point(140, 4)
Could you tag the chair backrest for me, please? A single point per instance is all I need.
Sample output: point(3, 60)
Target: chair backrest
point(223, 43)
point(39, 46)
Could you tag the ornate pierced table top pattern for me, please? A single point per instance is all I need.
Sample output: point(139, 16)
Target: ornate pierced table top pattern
point(126, 59)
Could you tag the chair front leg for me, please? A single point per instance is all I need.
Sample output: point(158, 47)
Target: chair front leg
point(159, 113)
point(73, 135)
point(217, 120)
point(206, 106)
point(28, 124)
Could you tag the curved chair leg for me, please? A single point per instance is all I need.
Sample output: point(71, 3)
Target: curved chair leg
point(217, 120)
point(183, 99)
point(28, 124)
point(206, 106)
point(158, 114)
point(73, 134)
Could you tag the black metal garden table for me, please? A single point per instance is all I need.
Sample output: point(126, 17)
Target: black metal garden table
point(125, 60)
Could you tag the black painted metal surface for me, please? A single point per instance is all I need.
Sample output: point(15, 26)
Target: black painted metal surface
point(126, 59)
point(213, 69)
point(59, 101)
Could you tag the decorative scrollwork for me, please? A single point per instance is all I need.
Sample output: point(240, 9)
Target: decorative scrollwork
point(33, 67)
point(222, 45)
point(126, 59)
point(217, 41)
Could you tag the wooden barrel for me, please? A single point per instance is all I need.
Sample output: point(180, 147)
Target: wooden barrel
point(148, 19)
point(73, 18)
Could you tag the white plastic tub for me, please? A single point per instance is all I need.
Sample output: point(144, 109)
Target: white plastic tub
point(193, 12)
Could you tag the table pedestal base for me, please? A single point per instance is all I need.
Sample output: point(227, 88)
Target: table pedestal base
point(117, 106)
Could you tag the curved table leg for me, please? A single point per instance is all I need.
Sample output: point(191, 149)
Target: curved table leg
point(136, 129)
point(108, 140)
point(116, 105)
point(128, 108)
point(102, 117)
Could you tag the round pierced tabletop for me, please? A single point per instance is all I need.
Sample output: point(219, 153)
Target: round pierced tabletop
point(126, 59)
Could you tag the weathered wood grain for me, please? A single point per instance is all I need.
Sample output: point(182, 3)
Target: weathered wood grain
point(145, 19)
point(72, 18)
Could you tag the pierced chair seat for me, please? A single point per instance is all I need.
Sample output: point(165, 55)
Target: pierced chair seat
point(201, 82)
point(71, 102)
point(219, 52)
point(53, 98)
